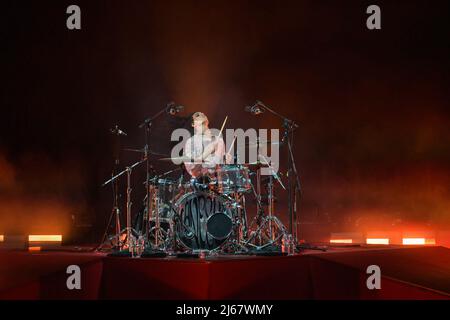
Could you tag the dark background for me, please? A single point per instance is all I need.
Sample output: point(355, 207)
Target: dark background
point(373, 143)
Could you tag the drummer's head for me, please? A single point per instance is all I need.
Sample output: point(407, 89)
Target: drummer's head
point(200, 121)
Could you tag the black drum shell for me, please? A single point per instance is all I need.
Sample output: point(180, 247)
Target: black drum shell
point(193, 211)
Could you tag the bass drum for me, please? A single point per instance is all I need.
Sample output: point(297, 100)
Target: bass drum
point(204, 220)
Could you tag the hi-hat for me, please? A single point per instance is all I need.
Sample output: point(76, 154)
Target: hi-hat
point(255, 165)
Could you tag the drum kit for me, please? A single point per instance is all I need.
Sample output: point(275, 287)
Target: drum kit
point(197, 216)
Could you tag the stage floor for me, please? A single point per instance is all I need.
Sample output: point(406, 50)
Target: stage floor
point(339, 273)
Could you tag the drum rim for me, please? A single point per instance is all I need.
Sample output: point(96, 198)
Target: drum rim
point(186, 195)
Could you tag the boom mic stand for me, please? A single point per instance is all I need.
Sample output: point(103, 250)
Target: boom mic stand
point(288, 136)
point(289, 127)
point(147, 124)
point(115, 212)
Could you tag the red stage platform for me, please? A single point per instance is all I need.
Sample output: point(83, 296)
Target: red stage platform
point(340, 273)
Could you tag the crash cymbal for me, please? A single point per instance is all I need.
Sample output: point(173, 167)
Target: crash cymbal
point(263, 142)
point(173, 159)
point(143, 151)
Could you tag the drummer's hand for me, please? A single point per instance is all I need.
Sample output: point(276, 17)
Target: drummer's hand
point(228, 158)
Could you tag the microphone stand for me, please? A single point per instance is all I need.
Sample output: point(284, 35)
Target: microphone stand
point(289, 128)
point(147, 124)
point(115, 189)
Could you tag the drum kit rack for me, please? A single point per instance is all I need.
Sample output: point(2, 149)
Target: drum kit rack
point(207, 216)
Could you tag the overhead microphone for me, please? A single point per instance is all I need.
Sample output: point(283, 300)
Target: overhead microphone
point(254, 109)
point(173, 109)
point(117, 131)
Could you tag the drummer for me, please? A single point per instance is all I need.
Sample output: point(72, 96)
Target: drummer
point(206, 150)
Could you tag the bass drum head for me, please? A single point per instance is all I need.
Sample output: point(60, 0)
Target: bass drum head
point(198, 211)
point(219, 226)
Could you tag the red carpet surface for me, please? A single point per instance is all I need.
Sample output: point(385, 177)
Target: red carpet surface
point(340, 273)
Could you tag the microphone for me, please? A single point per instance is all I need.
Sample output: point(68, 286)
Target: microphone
point(117, 131)
point(254, 109)
point(173, 109)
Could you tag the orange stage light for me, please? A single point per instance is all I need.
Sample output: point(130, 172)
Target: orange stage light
point(34, 249)
point(2, 238)
point(377, 241)
point(341, 241)
point(45, 238)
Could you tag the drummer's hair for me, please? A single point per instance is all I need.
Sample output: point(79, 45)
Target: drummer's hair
point(198, 114)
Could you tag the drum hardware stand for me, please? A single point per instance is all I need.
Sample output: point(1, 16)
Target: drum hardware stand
point(237, 240)
point(292, 170)
point(128, 229)
point(257, 193)
point(242, 217)
point(270, 197)
point(161, 237)
point(267, 224)
point(147, 124)
point(270, 200)
point(289, 128)
point(115, 212)
point(273, 238)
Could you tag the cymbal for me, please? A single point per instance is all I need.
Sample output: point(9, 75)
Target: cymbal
point(134, 150)
point(182, 159)
point(143, 151)
point(256, 164)
point(254, 144)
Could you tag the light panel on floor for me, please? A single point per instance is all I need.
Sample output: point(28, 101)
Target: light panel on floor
point(45, 238)
point(384, 241)
point(341, 241)
point(413, 241)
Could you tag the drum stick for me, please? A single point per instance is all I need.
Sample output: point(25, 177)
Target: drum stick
point(232, 144)
point(223, 125)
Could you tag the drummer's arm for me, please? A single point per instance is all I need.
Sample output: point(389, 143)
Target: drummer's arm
point(219, 152)
point(187, 152)
point(210, 148)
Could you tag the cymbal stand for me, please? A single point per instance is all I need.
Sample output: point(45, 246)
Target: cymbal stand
point(266, 233)
point(129, 203)
point(267, 225)
point(270, 203)
point(154, 216)
point(128, 229)
point(241, 217)
point(154, 187)
point(260, 209)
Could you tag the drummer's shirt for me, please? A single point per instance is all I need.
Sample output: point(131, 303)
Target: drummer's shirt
point(194, 148)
